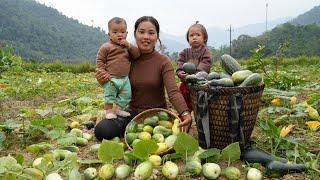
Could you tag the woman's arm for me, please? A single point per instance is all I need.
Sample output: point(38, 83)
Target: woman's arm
point(171, 87)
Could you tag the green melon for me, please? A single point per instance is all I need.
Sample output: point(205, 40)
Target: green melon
point(189, 68)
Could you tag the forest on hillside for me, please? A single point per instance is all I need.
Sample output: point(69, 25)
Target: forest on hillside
point(298, 39)
point(38, 32)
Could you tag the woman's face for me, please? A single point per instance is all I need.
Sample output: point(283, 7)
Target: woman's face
point(146, 37)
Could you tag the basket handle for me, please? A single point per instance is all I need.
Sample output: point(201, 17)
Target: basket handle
point(236, 121)
point(203, 115)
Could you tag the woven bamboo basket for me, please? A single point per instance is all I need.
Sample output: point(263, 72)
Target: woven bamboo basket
point(148, 113)
point(220, 103)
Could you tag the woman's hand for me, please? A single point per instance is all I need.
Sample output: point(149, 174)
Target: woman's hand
point(186, 122)
point(182, 75)
point(102, 76)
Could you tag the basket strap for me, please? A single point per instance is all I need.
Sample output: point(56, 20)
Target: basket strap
point(236, 121)
point(203, 115)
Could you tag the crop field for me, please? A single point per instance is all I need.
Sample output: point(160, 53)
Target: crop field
point(38, 109)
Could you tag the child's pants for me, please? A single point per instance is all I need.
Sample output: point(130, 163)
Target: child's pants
point(117, 90)
point(186, 94)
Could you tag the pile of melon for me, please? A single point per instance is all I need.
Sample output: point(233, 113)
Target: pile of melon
point(234, 75)
point(159, 127)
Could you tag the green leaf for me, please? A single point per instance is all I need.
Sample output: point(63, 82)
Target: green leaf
point(213, 154)
point(44, 112)
point(173, 156)
point(40, 122)
point(134, 157)
point(36, 148)
point(109, 150)
point(10, 164)
point(56, 133)
point(11, 124)
point(185, 144)
point(67, 140)
point(58, 121)
point(144, 148)
point(2, 139)
point(20, 159)
point(231, 152)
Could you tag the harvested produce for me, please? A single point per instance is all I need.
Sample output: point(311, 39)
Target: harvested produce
point(232, 173)
point(189, 68)
point(211, 170)
point(54, 176)
point(155, 160)
point(193, 168)
point(278, 169)
point(106, 171)
point(254, 174)
point(229, 64)
point(123, 171)
point(90, 173)
point(170, 170)
point(143, 170)
point(255, 155)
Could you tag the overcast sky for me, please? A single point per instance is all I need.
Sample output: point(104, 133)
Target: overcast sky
point(175, 16)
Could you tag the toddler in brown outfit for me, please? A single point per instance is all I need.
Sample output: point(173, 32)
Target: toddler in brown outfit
point(114, 59)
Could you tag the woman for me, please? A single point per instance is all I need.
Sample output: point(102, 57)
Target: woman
point(151, 74)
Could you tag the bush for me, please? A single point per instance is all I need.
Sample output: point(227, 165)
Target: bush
point(58, 66)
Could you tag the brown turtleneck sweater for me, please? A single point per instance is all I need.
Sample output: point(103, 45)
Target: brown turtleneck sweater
point(114, 58)
point(149, 75)
point(202, 58)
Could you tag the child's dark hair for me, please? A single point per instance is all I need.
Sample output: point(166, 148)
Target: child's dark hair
point(150, 19)
point(116, 20)
point(203, 30)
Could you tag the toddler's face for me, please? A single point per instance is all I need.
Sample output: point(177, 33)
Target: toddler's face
point(196, 38)
point(118, 32)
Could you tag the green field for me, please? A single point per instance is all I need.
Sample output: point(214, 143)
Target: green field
point(38, 103)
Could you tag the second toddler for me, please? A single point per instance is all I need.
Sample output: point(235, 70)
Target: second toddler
point(198, 54)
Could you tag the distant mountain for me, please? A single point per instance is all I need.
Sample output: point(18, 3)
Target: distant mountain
point(219, 36)
point(42, 33)
point(310, 17)
point(173, 43)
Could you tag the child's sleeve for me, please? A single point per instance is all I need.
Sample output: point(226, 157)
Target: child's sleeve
point(181, 60)
point(101, 58)
point(205, 62)
point(133, 51)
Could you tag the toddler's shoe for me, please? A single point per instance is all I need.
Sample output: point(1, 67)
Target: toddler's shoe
point(122, 113)
point(110, 114)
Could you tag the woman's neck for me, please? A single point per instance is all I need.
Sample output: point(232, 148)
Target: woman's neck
point(147, 52)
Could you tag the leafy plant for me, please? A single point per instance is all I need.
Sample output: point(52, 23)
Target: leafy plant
point(186, 144)
point(109, 151)
point(231, 152)
point(274, 77)
point(6, 58)
point(276, 140)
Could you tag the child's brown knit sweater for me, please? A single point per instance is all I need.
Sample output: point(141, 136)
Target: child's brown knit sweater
point(114, 59)
point(202, 58)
